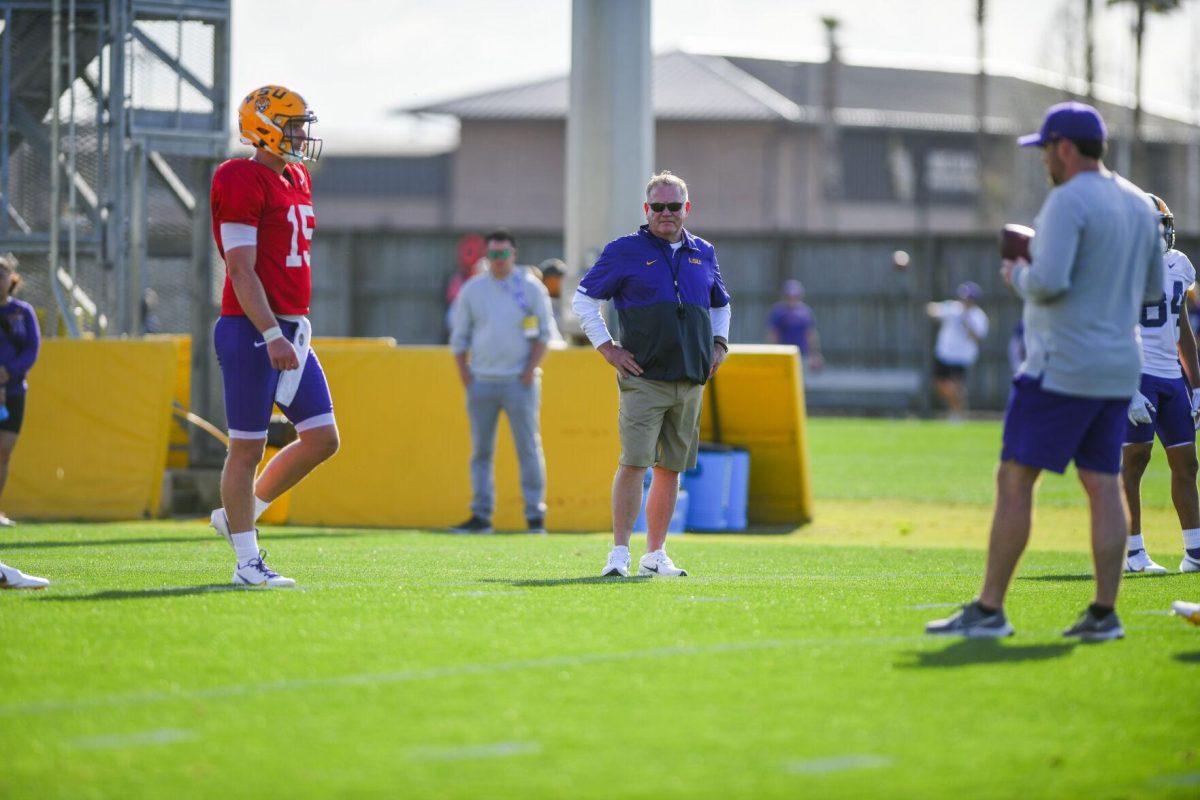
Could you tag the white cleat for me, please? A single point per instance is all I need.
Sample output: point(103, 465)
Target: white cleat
point(1189, 564)
point(1189, 611)
point(617, 565)
point(1142, 563)
point(13, 578)
point(659, 563)
point(219, 522)
point(256, 573)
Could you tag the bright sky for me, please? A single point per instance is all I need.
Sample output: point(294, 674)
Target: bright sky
point(354, 60)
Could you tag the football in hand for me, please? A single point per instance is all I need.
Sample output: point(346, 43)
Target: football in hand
point(1014, 242)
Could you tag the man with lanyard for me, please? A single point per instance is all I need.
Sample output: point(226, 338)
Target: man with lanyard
point(674, 314)
point(502, 319)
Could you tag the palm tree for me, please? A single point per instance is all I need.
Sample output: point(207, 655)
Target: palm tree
point(981, 153)
point(1144, 7)
point(1089, 50)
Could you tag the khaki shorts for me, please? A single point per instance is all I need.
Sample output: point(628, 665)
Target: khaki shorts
point(659, 423)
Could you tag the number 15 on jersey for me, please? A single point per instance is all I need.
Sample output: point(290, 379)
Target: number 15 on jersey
point(302, 217)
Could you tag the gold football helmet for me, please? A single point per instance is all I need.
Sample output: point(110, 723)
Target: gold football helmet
point(276, 119)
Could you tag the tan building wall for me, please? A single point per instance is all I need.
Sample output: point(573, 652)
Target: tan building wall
point(509, 174)
point(744, 178)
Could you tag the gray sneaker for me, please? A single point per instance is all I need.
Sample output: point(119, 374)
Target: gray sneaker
point(1091, 629)
point(973, 623)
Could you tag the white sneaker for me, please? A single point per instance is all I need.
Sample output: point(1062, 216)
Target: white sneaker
point(1189, 564)
point(13, 578)
point(660, 564)
point(255, 572)
point(219, 522)
point(1142, 563)
point(617, 564)
point(1189, 611)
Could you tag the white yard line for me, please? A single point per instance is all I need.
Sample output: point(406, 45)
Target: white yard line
point(429, 673)
point(113, 741)
point(824, 766)
point(474, 752)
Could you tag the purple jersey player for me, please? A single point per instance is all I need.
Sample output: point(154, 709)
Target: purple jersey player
point(791, 322)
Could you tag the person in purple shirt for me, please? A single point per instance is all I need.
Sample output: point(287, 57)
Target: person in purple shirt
point(791, 322)
point(19, 339)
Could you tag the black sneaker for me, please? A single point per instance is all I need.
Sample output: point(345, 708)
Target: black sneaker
point(473, 525)
point(1089, 628)
point(972, 622)
point(536, 524)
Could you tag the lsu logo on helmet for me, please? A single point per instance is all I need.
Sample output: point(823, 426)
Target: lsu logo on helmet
point(276, 119)
point(1166, 218)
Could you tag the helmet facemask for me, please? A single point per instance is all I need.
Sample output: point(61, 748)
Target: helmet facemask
point(1168, 228)
point(296, 142)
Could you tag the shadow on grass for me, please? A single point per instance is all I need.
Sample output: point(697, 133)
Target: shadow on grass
point(1188, 658)
point(535, 582)
point(212, 537)
point(142, 594)
point(1087, 576)
point(985, 651)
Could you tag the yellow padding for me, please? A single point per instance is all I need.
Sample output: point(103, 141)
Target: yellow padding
point(178, 445)
point(97, 421)
point(760, 396)
point(406, 442)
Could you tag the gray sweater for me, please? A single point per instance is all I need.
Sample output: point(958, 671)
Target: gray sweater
point(486, 320)
point(1097, 257)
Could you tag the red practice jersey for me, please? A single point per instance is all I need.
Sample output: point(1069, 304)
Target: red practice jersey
point(279, 207)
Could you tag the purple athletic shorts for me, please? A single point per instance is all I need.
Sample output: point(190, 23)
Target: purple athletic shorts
point(1171, 417)
point(250, 381)
point(1048, 430)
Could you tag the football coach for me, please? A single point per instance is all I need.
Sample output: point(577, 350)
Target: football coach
point(674, 315)
point(1096, 258)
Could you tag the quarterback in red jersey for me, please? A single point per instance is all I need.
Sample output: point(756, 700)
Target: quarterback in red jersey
point(263, 221)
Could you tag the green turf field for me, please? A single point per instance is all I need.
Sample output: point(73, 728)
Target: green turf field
point(418, 665)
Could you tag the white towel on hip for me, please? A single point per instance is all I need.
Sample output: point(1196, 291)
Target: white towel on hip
point(289, 380)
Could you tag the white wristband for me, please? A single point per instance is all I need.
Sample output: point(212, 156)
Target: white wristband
point(271, 334)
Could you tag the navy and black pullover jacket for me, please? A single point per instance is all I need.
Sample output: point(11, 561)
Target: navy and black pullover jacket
point(662, 300)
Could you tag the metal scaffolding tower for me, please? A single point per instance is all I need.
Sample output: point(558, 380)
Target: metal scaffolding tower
point(112, 116)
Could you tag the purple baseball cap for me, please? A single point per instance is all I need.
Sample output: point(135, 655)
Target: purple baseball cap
point(969, 291)
point(1069, 120)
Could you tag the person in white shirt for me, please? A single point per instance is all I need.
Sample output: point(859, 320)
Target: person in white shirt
point(963, 327)
point(1165, 405)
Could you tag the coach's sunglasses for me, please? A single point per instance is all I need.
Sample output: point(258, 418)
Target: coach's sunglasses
point(659, 208)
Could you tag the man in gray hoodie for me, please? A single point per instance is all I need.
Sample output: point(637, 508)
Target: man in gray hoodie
point(1096, 259)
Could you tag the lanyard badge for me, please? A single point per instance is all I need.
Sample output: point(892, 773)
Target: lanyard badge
point(529, 321)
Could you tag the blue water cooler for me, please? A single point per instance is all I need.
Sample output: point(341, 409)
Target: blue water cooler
point(718, 489)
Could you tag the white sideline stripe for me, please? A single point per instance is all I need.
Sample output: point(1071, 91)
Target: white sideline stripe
point(428, 673)
point(927, 606)
point(140, 739)
point(822, 766)
point(474, 751)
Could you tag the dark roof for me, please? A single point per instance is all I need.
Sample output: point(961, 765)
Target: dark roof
point(693, 86)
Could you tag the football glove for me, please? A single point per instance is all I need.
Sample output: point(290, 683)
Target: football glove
point(1196, 408)
point(1140, 409)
